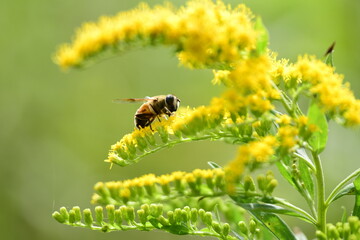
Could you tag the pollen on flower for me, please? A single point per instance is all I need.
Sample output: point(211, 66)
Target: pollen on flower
point(254, 152)
point(284, 119)
point(203, 32)
point(334, 96)
point(288, 136)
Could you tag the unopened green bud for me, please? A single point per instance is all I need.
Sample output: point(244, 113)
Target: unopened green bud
point(226, 229)
point(333, 232)
point(118, 217)
point(165, 187)
point(77, 213)
point(170, 215)
point(146, 208)
point(262, 183)
point(353, 237)
point(208, 218)
point(163, 221)
point(99, 214)
point(131, 214)
point(243, 228)
point(123, 210)
point(141, 143)
point(201, 214)
point(271, 185)
point(71, 216)
point(88, 217)
point(252, 226)
point(194, 215)
point(210, 183)
point(142, 216)
point(346, 230)
point(110, 213)
point(184, 216)
point(249, 184)
point(217, 228)
point(64, 213)
point(177, 215)
point(354, 223)
point(58, 217)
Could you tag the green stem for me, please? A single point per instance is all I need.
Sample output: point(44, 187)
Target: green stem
point(320, 184)
point(341, 185)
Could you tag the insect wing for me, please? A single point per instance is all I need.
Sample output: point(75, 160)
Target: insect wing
point(132, 100)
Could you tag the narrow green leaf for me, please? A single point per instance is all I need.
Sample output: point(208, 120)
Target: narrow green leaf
point(329, 55)
point(214, 165)
point(356, 211)
point(319, 138)
point(176, 229)
point(283, 169)
point(271, 208)
point(306, 177)
point(301, 153)
point(346, 190)
point(274, 224)
point(263, 37)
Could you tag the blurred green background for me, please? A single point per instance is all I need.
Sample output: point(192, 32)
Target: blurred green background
point(56, 128)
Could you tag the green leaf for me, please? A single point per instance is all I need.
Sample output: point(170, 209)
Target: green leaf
point(319, 138)
point(214, 165)
point(177, 229)
point(285, 172)
point(301, 153)
point(306, 177)
point(346, 190)
point(329, 55)
point(263, 37)
point(356, 211)
point(273, 209)
point(270, 221)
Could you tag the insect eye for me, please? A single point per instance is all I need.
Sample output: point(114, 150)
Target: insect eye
point(171, 103)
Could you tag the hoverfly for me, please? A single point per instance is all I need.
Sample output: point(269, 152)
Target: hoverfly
point(153, 107)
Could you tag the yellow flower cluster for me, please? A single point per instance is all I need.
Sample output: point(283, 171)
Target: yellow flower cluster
point(327, 87)
point(250, 85)
point(203, 32)
point(251, 153)
point(195, 182)
point(334, 96)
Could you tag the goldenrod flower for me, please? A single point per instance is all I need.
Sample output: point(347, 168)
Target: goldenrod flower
point(334, 96)
point(199, 181)
point(254, 152)
point(204, 33)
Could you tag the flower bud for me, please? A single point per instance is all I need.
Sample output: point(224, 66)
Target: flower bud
point(118, 217)
point(271, 185)
point(262, 183)
point(226, 229)
point(252, 226)
point(333, 232)
point(130, 213)
point(194, 215)
point(99, 214)
point(320, 235)
point(88, 217)
point(243, 228)
point(58, 217)
point(77, 213)
point(64, 213)
point(170, 215)
point(142, 216)
point(208, 219)
point(216, 226)
point(249, 184)
point(354, 223)
point(146, 208)
point(72, 216)
point(163, 220)
point(110, 213)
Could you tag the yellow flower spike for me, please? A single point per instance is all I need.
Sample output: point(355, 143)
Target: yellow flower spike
point(288, 136)
point(204, 33)
point(284, 120)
